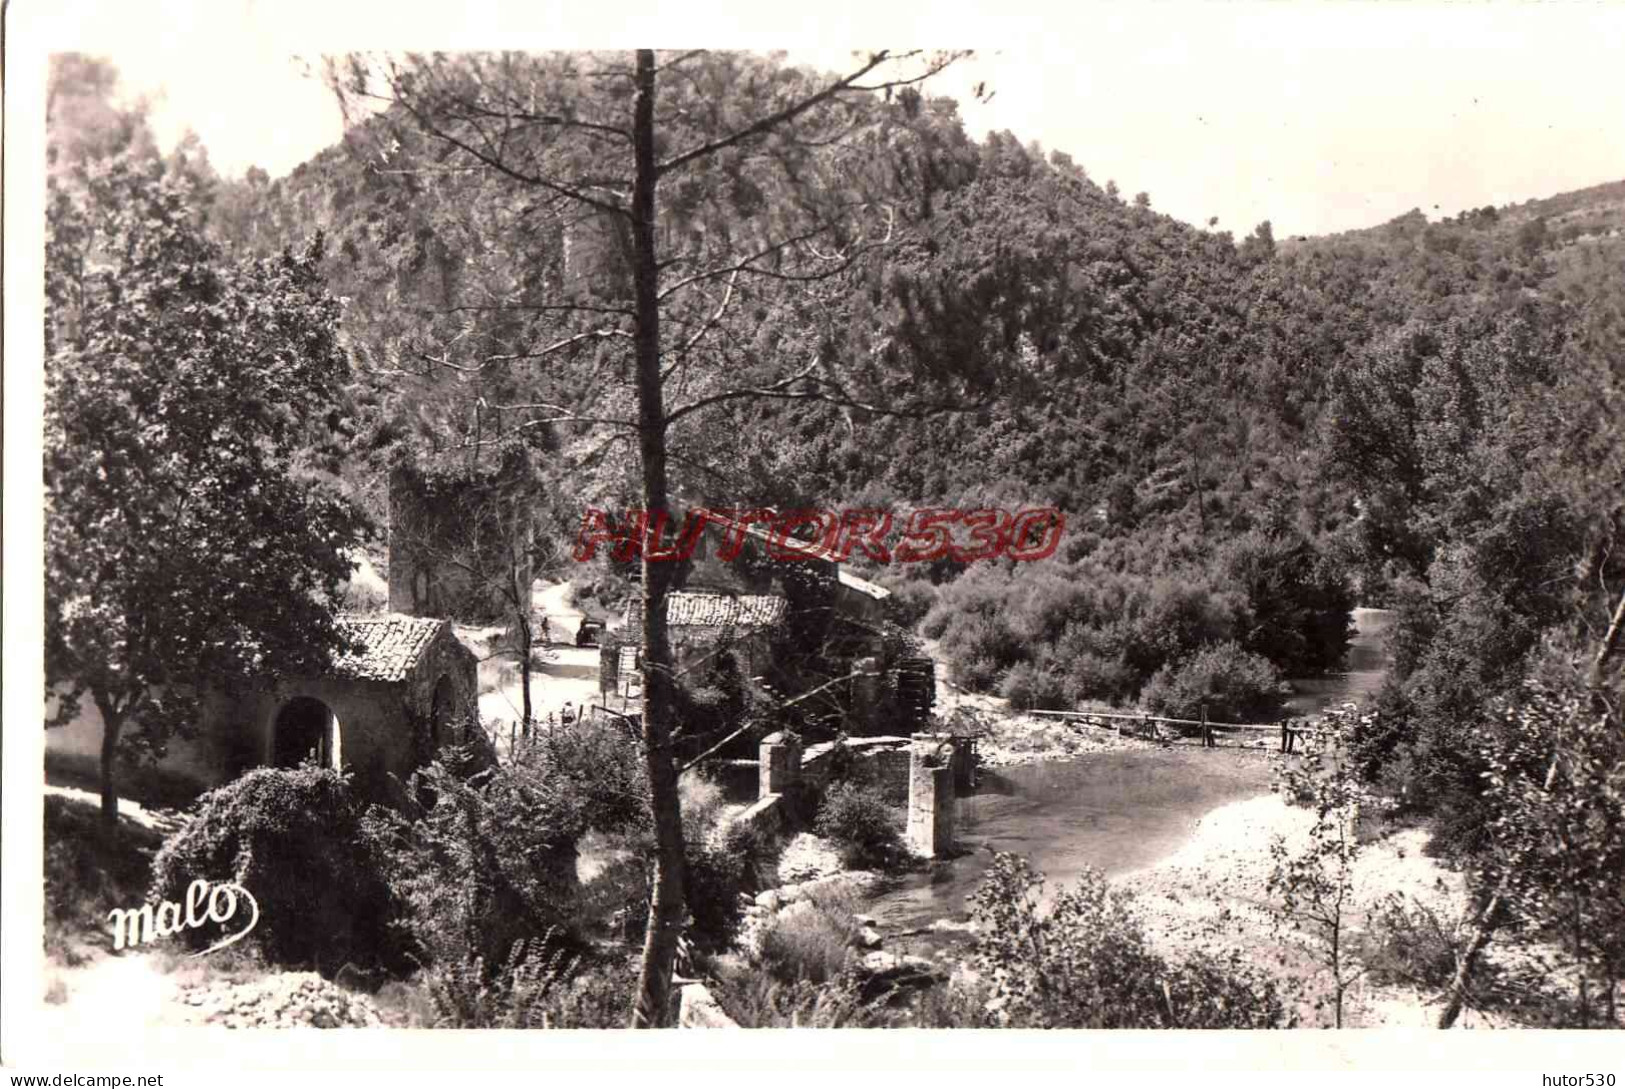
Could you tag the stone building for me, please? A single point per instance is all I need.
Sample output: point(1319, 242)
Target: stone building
point(822, 614)
point(379, 713)
point(460, 542)
point(726, 631)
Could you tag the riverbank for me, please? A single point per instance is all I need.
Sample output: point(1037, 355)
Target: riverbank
point(1210, 895)
point(1017, 740)
point(1116, 809)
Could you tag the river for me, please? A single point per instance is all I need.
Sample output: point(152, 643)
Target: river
point(1366, 661)
point(1114, 811)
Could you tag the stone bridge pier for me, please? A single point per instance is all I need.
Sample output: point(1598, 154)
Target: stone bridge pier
point(931, 775)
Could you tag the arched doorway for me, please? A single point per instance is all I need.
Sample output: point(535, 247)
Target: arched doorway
point(442, 714)
point(305, 725)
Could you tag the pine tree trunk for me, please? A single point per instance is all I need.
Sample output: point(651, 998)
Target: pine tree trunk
point(525, 643)
point(666, 906)
point(112, 724)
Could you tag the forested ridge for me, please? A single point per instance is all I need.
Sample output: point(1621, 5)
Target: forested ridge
point(1219, 419)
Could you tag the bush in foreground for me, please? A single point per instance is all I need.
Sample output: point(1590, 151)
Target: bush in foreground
point(809, 941)
point(89, 871)
point(1085, 963)
point(862, 824)
point(539, 985)
point(294, 838)
point(488, 860)
point(725, 861)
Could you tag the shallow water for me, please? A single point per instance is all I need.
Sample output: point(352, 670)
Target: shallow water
point(1364, 668)
point(1115, 811)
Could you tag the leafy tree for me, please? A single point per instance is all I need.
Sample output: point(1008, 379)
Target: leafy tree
point(490, 862)
point(1259, 246)
point(1298, 605)
point(1557, 782)
point(1231, 684)
point(184, 544)
point(1566, 831)
point(482, 536)
point(1314, 887)
point(85, 121)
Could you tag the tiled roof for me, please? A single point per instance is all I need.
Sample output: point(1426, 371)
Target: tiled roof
point(391, 645)
point(685, 609)
point(688, 609)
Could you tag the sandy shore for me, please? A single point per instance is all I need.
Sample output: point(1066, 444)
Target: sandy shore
point(1211, 895)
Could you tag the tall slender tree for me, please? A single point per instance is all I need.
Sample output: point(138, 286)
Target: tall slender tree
point(699, 204)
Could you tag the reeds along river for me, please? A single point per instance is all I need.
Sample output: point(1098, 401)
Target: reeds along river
point(1115, 811)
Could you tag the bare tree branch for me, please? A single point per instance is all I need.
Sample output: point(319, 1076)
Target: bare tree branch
point(827, 392)
point(709, 324)
point(514, 357)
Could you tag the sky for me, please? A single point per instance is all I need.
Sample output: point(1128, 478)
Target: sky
point(1318, 116)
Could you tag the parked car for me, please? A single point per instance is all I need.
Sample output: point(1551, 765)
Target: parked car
point(588, 634)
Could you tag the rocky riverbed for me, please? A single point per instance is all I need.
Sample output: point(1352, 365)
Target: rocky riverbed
point(280, 1000)
point(1018, 740)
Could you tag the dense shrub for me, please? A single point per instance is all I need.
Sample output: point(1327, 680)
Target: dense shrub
point(1085, 963)
point(539, 985)
point(802, 973)
point(1298, 605)
point(296, 840)
point(863, 825)
point(724, 861)
point(487, 865)
point(1030, 687)
point(717, 875)
point(89, 871)
point(1091, 676)
point(911, 599)
point(754, 999)
point(595, 771)
point(1409, 943)
point(1236, 686)
point(489, 861)
point(809, 940)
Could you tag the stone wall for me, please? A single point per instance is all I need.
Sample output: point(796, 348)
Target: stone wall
point(446, 658)
point(431, 548)
point(609, 653)
point(779, 764)
point(928, 767)
point(378, 730)
point(930, 801)
point(893, 765)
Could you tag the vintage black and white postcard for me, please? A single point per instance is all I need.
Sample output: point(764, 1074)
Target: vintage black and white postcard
point(1076, 518)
